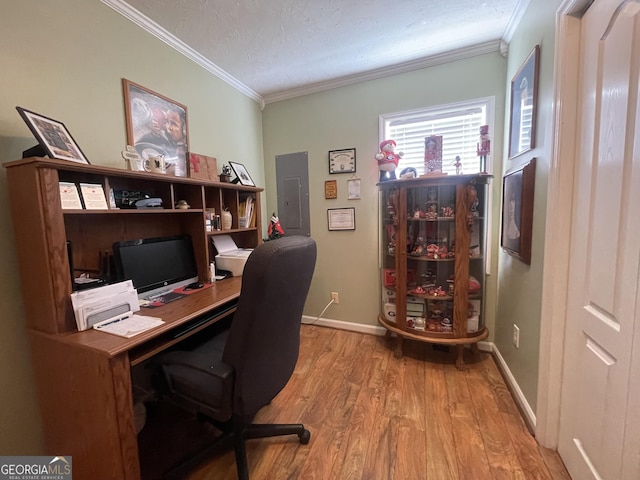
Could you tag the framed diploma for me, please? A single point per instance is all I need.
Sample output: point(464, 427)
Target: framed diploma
point(341, 218)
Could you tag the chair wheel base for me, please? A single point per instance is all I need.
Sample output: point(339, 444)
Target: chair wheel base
point(304, 437)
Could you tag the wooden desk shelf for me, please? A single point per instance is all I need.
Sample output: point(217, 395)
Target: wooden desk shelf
point(84, 378)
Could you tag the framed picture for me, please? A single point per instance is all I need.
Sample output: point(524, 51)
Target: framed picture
point(242, 175)
point(330, 189)
point(342, 161)
point(157, 125)
point(341, 218)
point(354, 188)
point(524, 97)
point(203, 167)
point(517, 211)
point(53, 137)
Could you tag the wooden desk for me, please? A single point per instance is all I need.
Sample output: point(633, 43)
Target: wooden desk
point(85, 389)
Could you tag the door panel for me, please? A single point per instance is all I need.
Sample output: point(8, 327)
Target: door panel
point(605, 258)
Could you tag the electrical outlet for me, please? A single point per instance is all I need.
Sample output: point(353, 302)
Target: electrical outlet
point(335, 297)
point(516, 336)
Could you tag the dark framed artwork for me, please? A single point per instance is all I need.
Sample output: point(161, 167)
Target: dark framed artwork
point(524, 98)
point(53, 137)
point(342, 161)
point(157, 125)
point(242, 175)
point(517, 211)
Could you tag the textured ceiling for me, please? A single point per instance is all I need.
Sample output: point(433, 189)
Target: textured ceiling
point(276, 46)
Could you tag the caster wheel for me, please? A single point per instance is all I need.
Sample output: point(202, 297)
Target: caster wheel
point(304, 437)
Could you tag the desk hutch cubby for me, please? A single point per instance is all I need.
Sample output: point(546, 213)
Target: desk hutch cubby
point(433, 242)
point(84, 378)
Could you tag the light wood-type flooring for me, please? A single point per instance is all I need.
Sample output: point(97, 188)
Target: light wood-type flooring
point(375, 417)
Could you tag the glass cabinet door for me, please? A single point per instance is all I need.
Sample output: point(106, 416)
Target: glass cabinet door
point(433, 244)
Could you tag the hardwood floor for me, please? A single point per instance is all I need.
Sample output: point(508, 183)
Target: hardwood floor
point(375, 417)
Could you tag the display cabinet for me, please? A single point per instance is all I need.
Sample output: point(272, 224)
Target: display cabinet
point(433, 242)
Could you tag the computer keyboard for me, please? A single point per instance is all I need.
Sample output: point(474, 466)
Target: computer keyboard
point(204, 318)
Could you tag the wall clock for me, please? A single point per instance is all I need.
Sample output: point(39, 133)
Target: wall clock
point(342, 161)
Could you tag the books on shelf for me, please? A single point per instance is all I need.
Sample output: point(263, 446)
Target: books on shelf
point(88, 196)
point(247, 213)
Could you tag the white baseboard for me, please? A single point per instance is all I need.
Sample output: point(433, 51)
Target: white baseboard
point(518, 396)
point(340, 325)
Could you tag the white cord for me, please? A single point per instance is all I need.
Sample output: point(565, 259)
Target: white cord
point(318, 317)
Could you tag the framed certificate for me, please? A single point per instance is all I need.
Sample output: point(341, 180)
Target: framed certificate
point(341, 218)
point(330, 189)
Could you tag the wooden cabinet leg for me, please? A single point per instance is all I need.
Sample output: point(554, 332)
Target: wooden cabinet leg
point(397, 351)
point(475, 349)
point(460, 358)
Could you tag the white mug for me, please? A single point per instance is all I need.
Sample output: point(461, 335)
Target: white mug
point(155, 164)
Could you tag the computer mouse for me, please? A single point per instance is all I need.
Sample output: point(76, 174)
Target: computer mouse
point(194, 286)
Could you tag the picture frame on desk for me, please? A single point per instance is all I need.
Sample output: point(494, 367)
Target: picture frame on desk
point(242, 175)
point(157, 126)
point(53, 137)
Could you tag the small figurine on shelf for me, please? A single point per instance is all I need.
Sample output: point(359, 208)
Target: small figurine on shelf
point(275, 229)
point(388, 160)
point(484, 147)
point(458, 164)
point(225, 175)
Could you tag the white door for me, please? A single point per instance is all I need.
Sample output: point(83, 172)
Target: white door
point(599, 435)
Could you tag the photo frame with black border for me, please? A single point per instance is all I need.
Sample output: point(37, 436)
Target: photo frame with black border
point(53, 137)
point(242, 176)
point(341, 219)
point(342, 161)
point(518, 186)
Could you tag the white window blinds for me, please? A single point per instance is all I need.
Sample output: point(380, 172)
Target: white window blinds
point(458, 124)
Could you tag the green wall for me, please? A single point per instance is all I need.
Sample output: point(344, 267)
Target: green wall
point(348, 117)
point(520, 285)
point(65, 59)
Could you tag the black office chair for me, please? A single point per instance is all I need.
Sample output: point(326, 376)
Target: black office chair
point(233, 375)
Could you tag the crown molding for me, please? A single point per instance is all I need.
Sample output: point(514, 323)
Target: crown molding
point(433, 60)
point(156, 30)
point(514, 21)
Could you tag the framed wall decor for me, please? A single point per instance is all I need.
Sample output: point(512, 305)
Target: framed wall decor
point(517, 211)
point(242, 175)
point(524, 97)
point(342, 161)
point(341, 218)
point(330, 189)
point(53, 137)
point(203, 167)
point(157, 125)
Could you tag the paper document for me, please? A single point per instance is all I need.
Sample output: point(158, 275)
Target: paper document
point(128, 325)
point(99, 304)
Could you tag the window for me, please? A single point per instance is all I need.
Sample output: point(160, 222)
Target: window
point(458, 123)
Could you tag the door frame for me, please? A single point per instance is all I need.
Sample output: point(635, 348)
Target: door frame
point(558, 230)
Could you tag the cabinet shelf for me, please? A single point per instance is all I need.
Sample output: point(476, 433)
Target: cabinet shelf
point(406, 230)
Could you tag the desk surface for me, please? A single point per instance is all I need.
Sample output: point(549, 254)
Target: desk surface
point(173, 314)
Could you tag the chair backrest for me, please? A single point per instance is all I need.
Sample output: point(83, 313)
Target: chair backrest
point(264, 337)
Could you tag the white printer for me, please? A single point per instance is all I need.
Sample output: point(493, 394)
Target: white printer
point(230, 257)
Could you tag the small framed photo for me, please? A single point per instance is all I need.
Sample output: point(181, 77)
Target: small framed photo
point(330, 189)
point(524, 96)
point(342, 161)
point(53, 137)
point(517, 211)
point(242, 175)
point(341, 218)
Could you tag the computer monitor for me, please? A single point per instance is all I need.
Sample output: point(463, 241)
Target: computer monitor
point(156, 265)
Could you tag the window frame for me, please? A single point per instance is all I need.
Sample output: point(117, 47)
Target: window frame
point(443, 109)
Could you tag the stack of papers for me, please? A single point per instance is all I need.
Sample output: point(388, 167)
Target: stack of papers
point(110, 309)
point(128, 325)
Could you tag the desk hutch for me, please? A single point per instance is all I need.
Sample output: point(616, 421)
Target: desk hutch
point(84, 378)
